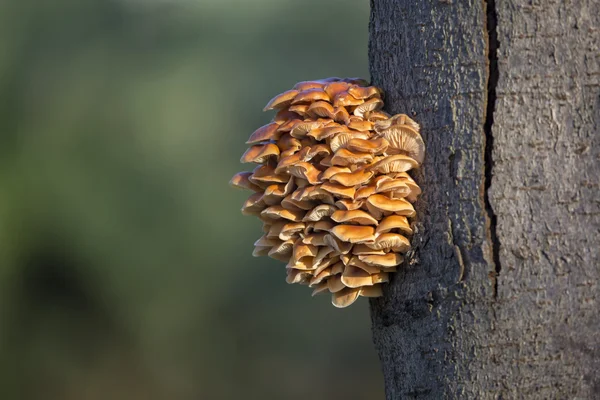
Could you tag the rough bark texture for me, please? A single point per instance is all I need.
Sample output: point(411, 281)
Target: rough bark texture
point(500, 297)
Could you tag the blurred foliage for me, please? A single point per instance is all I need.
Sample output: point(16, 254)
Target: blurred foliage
point(125, 265)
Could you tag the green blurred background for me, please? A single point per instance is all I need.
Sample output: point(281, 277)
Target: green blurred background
point(125, 264)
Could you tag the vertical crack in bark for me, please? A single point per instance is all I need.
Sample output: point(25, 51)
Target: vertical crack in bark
point(491, 22)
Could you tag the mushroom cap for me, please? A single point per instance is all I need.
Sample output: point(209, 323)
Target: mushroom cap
point(371, 291)
point(334, 88)
point(327, 131)
point(302, 128)
point(354, 277)
point(345, 99)
point(373, 146)
point(338, 190)
point(349, 204)
point(276, 192)
point(310, 95)
point(281, 100)
point(392, 222)
point(381, 260)
point(362, 248)
point(260, 153)
point(319, 288)
point(301, 250)
point(313, 193)
point(368, 106)
point(335, 284)
point(404, 140)
point(331, 171)
point(339, 245)
point(288, 142)
point(364, 192)
point(320, 109)
point(349, 179)
point(282, 250)
point(290, 204)
point(276, 212)
point(380, 277)
point(284, 116)
point(344, 157)
point(307, 171)
point(398, 186)
point(375, 116)
point(364, 93)
point(297, 276)
point(322, 226)
point(299, 109)
point(254, 205)
point(264, 133)
point(398, 206)
point(354, 233)
point(290, 229)
point(360, 125)
point(265, 175)
point(306, 85)
point(340, 114)
point(344, 297)
point(319, 212)
point(317, 239)
point(241, 181)
point(391, 241)
point(398, 119)
point(353, 217)
point(355, 261)
point(394, 163)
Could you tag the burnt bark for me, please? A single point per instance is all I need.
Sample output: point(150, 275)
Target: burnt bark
point(500, 297)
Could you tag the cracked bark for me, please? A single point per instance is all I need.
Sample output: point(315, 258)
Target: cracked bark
point(500, 297)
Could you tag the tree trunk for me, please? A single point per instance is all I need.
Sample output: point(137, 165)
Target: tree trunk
point(500, 298)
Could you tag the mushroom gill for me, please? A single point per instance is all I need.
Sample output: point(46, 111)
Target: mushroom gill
point(332, 187)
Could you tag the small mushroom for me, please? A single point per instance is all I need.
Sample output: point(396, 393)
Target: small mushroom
point(354, 277)
point(260, 154)
point(404, 140)
point(368, 106)
point(338, 190)
point(394, 222)
point(353, 217)
point(265, 133)
point(310, 95)
point(345, 99)
point(334, 88)
point(320, 109)
point(345, 158)
point(373, 146)
point(254, 205)
point(349, 179)
point(371, 291)
point(290, 230)
point(319, 212)
point(354, 233)
point(364, 93)
point(398, 206)
point(381, 260)
point(281, 100)
point(241, 181)
point(391, 241)
point(276, 212)
point(344, 297)
point(394, 163)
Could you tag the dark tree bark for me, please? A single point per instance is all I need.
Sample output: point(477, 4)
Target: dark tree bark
point(500, 298)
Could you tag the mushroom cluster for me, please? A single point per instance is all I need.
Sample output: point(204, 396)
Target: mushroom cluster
point(332, 186)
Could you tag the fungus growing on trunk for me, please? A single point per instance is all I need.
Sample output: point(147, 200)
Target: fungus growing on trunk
point(332, 187)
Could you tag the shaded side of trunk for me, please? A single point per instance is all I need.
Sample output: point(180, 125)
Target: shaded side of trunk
point(499, 298)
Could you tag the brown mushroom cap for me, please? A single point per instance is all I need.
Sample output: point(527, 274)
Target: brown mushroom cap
point(307, 171)
point(282, 250)
point(360, 125)
point(381, 260)
point(344, 158)
point(349, 204)
point(320, 109)
point(392, 222)
point(368, 106)
point(276, 212)
point(375, 116)
point(265, 175)
point(320, 288)
point(297, 276)
point(364, 192)
point(254, 205)
point(319, 212)
point(398, 119)
point(373, 146)
point(353, 217)
point(391, 241)
point(331, 171)
point(290, 229)
point(284, 116)
point(405, 140)
point(335, 284)
point(342, 247)
point(290, 204)
point(306, 85)
point(340, 114)
point(310, 95)
point(395, 163)
point(364, 92)
point(398, 186)
point(281, 100)
point(302, 128)
point(260, 154)
point(354, 277)
point(345, 99)
point(354, 233)
point(276, 192)
point(349, 179)
point(345, 297)
point(398, 206)
point(371, 291)
point(241, 181)
point(334, 88)
point(265, 133)
point(338, 190)
point(362, 248)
